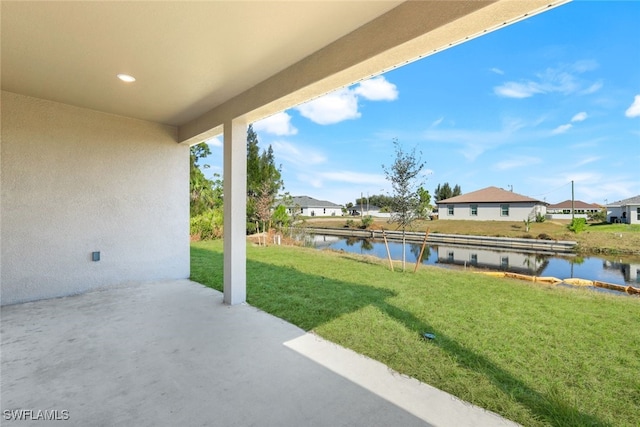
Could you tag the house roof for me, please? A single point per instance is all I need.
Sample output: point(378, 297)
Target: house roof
point(630, 201)
point(310, 202)
point(199, 65)
point(490, 195)
point(577, 204)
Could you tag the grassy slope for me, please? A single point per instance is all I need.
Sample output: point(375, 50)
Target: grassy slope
point(536, 355)
point(600, 238)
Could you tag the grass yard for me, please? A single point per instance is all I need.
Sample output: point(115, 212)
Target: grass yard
point(537, 355)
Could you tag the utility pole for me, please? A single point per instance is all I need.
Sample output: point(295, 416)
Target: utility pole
point(572, 202)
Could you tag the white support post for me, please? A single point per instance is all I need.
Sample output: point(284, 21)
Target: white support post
point(235, 212)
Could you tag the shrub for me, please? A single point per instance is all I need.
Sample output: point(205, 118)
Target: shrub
point(280, 217)
point(600, 216)
point(578, 225)
point(540, 218)
point(350, 223)
point(207, 225)
point(367, 221)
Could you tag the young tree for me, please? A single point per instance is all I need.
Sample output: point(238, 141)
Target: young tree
point(403, 175)
point(263, 180)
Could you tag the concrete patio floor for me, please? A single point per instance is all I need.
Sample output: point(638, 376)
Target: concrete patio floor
point(170, 353)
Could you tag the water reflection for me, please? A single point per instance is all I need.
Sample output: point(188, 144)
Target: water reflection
point(534, 264)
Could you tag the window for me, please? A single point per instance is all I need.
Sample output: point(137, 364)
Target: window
point(474, 210)
point(324, 211)
point(504, 210)
point(638, 210)
point(474, 259)
point(450, 256)
point(449, 209)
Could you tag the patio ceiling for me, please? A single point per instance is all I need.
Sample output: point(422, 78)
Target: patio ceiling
point(198, 64)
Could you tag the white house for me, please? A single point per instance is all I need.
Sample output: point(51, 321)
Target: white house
point(562, 210)
point(491, 204)
point(305, 205)
point(626, 211)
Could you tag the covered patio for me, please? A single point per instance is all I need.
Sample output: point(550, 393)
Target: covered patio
point(171, 353)
point(98, 316)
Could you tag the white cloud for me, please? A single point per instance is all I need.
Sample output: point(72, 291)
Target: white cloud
point(584, 65)
point(592, 89)
point(342, 104)
point(377, 89)
point(517, 90)
point(561, 129)
point(214, 142)
point(587, 160)
point(516, 162)
point(475, 142)
point(278, 124)
point(579, 117)
point(332, 108)
point(351, 177)
point(437, 122)
point(297, 155)
point(562, 80)
point(634, 109)
point(311, 180)
point(497, 70)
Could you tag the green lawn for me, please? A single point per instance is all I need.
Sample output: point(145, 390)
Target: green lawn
point(537, 355)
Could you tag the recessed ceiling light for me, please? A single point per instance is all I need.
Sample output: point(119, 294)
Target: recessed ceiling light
point(126, 78)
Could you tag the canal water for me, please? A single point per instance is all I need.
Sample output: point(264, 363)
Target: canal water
point(533, 264)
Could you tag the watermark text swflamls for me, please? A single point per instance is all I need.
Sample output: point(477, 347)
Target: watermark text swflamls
point(35, 415)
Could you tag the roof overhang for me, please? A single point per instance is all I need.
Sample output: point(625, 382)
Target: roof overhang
point(201, 64)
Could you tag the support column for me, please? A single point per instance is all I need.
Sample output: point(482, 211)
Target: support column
point(235, 211)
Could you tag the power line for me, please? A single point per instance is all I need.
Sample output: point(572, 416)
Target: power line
point(551, 191)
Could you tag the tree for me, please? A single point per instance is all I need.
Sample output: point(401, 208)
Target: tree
point(403, 174)
point(263, 181)
point(444, 192)
point(205, 194)
point(424, 202)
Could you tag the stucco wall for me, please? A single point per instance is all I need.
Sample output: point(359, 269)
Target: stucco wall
point(491, 211)
point(76, 181)
point(630, 214)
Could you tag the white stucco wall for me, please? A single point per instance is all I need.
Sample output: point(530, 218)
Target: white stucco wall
point(630, 214)
point(491, 211)
point(322, 211)
point(76, 181)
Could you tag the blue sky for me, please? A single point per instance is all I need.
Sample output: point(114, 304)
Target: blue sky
point(533, 106)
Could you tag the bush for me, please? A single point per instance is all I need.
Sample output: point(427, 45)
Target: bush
point(350, 223)
point(367, 221)
point(540, 218)
point(280, 217)
point(600, 216)
point(207, 225)
point(578, 225)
